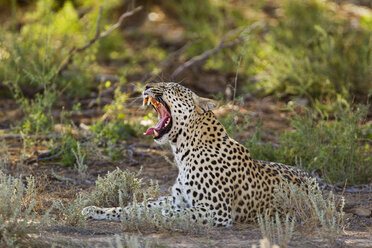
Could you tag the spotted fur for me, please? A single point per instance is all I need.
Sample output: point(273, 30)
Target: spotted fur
point(217, 175)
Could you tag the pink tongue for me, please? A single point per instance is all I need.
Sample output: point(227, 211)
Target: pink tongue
point(158, 126)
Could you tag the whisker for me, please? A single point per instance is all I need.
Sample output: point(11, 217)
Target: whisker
point(159, 77)
point(132, 100)
point(181, 81)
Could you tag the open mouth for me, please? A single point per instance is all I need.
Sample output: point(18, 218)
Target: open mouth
point(165, 119)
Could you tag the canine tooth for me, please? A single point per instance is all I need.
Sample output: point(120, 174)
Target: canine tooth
point(156, 133)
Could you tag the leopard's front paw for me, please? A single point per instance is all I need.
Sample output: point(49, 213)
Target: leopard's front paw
point(89, 212)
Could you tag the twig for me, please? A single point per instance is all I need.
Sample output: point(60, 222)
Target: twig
point(221, 45)
point(97, 36)
point(254, 25)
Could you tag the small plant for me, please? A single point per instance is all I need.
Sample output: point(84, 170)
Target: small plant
point(115, 127)
point(274, 230)
point(307, 205)
point(71, 212)
point(37, 112)
point(3, 155)
point(110, 134)
point(17, 217)
point(70, 145)
point(79, 165)
point(115, 183)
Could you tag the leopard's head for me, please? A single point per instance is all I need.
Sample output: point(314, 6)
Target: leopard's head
point(176, 106)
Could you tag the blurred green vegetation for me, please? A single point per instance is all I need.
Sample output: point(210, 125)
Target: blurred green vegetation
point(315, 52)
point(32, 55)
point(312, 49)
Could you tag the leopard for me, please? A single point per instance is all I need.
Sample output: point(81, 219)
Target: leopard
point(217, 176)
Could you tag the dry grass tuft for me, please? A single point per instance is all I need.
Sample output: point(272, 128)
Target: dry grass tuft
point(275, 230)
point(314, 212)
point(17, 216)
point(143, 218)
point(109, 187)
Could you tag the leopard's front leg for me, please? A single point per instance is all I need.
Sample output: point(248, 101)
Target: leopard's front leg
point(116, 213)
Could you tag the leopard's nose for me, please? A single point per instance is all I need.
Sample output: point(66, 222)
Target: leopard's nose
point(148, 87)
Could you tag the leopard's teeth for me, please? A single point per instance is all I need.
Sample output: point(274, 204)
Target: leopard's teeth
point(156, 133)
point(145, 100)
point(166, 124)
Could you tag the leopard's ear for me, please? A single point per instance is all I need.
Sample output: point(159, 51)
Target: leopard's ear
point(203, 104)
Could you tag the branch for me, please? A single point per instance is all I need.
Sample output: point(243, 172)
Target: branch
point(97, 36)
point(221, 45)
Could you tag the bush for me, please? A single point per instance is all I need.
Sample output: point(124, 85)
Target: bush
point(307, 206)
point(71, 212)
point(31, 57)
point(114, 131)
point(335, 147)
point(17, 217)
point(274, 230)
point(108, 188)
point(37, 112)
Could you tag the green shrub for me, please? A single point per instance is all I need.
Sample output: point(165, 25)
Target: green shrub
point(69, 145)
point(111, 134)
point(316, 53)
point(114, 127)
point(335, 147)
point(37, 112)
point(113, 131)
point(31, 57)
